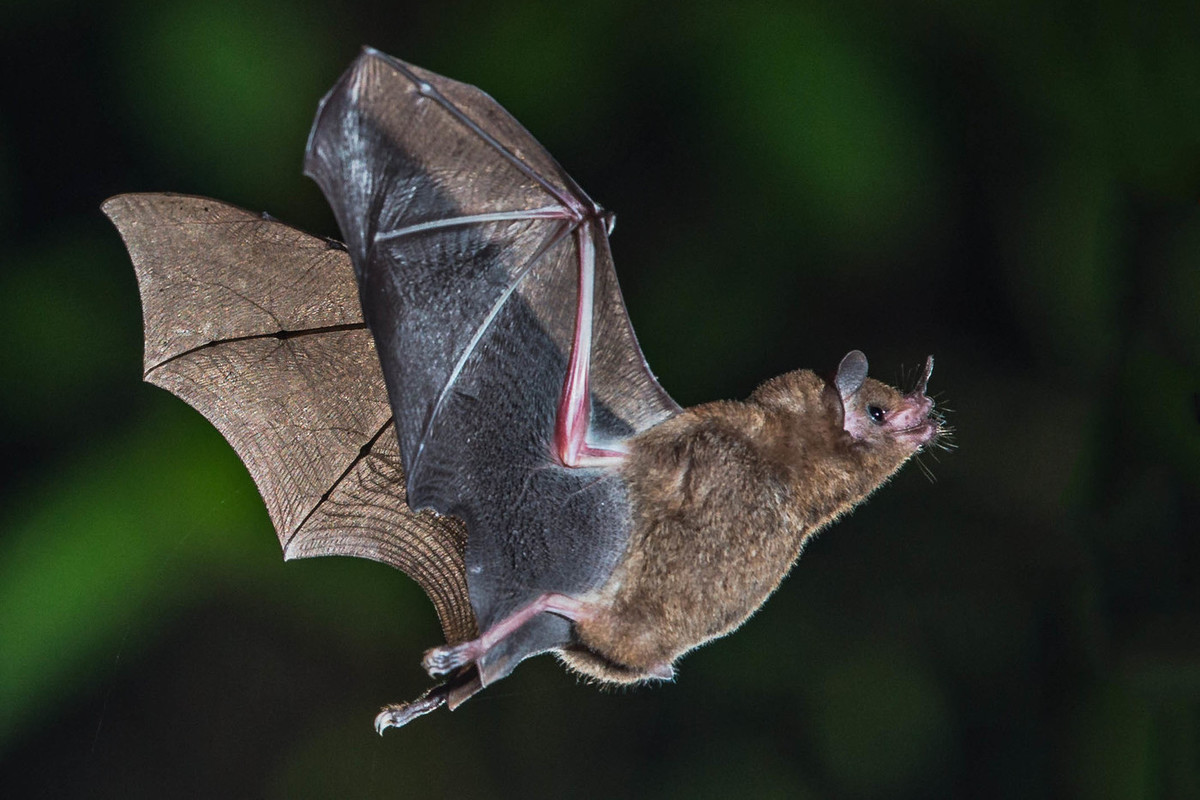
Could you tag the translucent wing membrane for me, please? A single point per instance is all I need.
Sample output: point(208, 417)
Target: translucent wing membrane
point(434, 178)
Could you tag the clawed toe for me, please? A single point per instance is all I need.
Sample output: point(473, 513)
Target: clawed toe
point(403, 713)
point(443, 660)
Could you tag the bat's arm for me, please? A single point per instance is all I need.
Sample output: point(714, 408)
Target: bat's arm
point(575, 405)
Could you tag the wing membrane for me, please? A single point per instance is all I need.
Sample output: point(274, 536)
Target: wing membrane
point(423, 172)
point(258, 327)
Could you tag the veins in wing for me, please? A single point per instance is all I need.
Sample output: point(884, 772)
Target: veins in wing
point(280, 335)
point(549, 212)
point(572, 201)
point(363, 452)
point(183, 272)
point(561, 230)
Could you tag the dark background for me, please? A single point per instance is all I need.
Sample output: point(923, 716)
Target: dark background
point(1010, 186)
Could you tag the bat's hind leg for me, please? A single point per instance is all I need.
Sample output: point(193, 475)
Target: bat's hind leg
point(402, 713)
point(444, 660)
point(451, 693)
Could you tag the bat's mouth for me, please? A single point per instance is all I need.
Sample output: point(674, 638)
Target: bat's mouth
point(922, 433)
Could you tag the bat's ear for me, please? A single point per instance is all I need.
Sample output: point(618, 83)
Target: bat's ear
point(850, 374)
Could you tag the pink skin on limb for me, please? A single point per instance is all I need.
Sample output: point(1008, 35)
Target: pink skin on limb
point(575, 405)
point(572, 450)
point(443, 660)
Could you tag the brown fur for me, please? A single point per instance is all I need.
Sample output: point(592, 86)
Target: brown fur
point(725, 495)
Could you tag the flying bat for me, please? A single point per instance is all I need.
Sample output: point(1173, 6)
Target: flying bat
point(457, 391)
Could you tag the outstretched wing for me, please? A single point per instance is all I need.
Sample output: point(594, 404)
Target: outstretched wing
point(258, 327)
point(474, 251)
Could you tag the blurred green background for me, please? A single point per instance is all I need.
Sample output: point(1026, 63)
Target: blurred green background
point(1010, 186)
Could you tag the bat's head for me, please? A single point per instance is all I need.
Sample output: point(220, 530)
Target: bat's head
point(881, 418)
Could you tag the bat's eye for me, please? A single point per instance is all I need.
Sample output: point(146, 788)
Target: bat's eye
point(877, 414)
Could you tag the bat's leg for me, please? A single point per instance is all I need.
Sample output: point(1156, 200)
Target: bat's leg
point(451, 693)
point(404, 713)
point(442, 660)
point(575, 404)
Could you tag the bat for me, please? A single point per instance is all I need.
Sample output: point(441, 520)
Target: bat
point(457, 392)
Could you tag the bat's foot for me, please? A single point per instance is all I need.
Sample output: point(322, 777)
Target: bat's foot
point(403, 713)
point(443, 660)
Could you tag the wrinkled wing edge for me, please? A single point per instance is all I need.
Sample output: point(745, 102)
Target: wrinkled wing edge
point(365, 515)
point(362, 512)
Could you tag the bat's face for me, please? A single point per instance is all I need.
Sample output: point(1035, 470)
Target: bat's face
point(883, 419)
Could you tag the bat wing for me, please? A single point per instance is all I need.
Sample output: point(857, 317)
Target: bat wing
point(476, 255)
point(258, 327)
